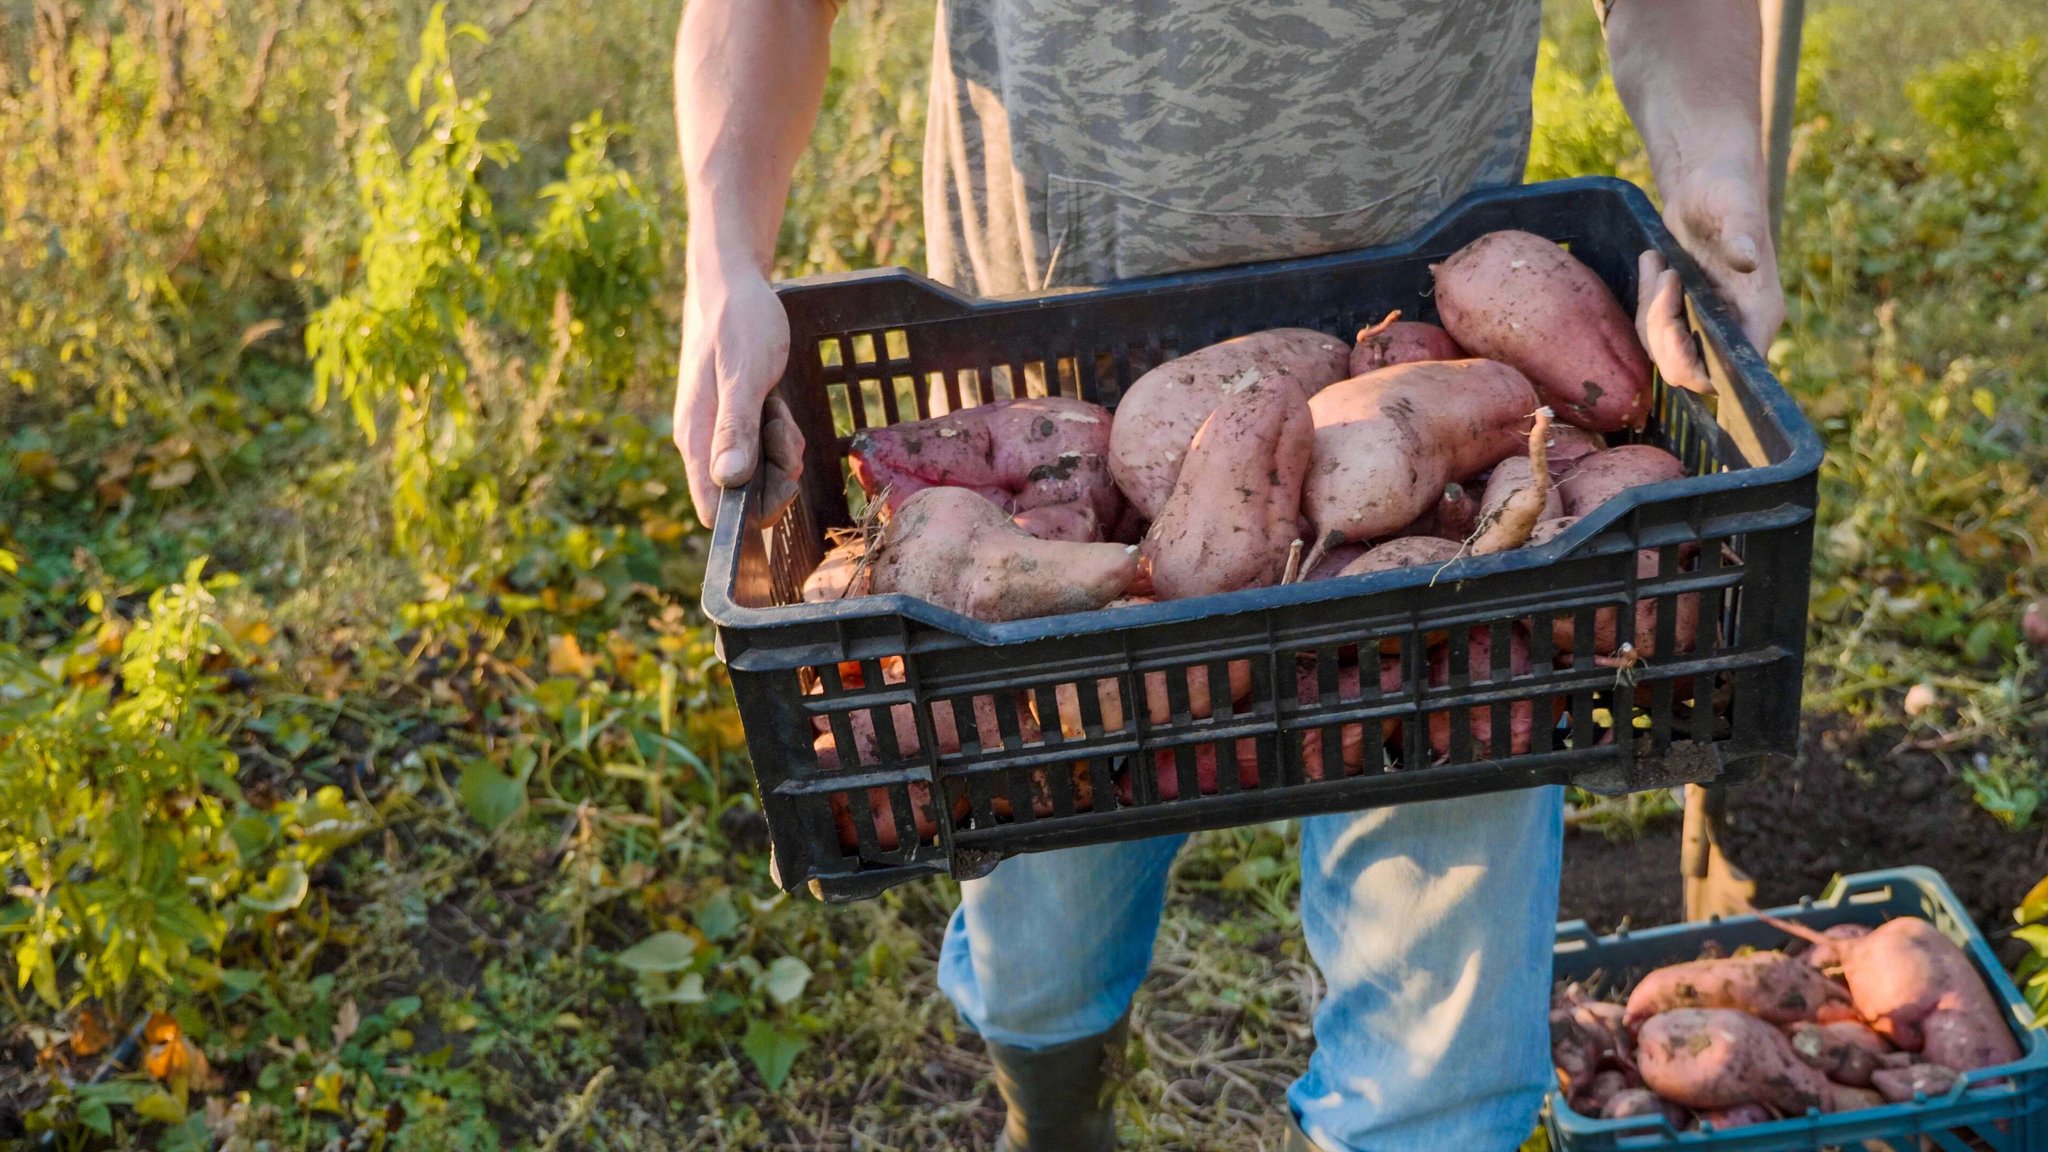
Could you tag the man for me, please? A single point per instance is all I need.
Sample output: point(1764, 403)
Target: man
point(1078, 141)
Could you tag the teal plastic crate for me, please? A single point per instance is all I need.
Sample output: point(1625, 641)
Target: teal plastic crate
point(2003, 1109)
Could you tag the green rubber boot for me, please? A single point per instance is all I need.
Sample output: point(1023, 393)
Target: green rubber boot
point(1059, 1099)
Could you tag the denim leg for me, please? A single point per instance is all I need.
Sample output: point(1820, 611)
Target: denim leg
point(1050, 946)
point(1432, 924)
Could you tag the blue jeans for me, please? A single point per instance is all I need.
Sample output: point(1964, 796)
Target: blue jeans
point(1432, 925)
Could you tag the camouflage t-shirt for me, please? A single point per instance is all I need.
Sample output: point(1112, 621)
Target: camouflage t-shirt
point(1081, 141)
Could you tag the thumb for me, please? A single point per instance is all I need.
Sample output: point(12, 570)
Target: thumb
point(1740, 250)
point(736, 440)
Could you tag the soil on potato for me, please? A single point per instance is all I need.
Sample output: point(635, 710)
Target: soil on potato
point(1848, 804)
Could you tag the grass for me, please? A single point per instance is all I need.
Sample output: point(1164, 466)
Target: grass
point(457, 841)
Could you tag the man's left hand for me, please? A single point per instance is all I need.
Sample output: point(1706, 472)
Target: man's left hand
point(1722, 221)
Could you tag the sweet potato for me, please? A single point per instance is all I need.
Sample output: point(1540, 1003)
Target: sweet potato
point(957, 550)
point(1709, 1058)
point(1900, 1085)
point(1602, 476)
point(1838, 1058)
point(1919, 990)
point(838, 575)
point(1232, 514)
point(1387, 442)
point(1848, 1098)
point(1603, 1087)
point(1334, 562)
point(1403, 552)
point(1159, 414)
point(1352, 737)
point(1649, 564)
point(1158, 700)
point(1643, 1102)
point(1480, 671)
point(1856, 1033)
point(1827, 954)
point(1397, 341)
point(1740, 1116)
point(1019, 454)
point(1769, 985)
point(1570, 444)
point(1450, 518)
point(1518, 495)
point(1521, 299)
point(1073, 522)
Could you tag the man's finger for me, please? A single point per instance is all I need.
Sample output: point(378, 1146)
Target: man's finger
point(1670, 342)
point(695, 419)
point(737, 436)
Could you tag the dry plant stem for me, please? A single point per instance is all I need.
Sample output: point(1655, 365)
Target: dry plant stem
point(867, 531)
point(1294, 568)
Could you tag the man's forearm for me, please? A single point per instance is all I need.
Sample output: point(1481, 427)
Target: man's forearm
point(1690, 74)
point(750, 75)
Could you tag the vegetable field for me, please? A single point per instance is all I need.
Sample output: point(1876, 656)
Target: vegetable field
point(367, 778)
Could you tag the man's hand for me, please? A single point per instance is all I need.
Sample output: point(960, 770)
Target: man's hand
point(749, 78)
point(1721, 220)
point(735, 345)
point(1690, 74)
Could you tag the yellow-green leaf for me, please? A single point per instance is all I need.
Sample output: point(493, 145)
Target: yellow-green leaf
point(161, 1107)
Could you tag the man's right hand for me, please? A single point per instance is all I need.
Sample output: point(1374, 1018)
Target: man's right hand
point(735, 345)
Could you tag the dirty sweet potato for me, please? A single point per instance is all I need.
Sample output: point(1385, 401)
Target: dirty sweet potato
point(1570, 444)
point(1643, 1102)
point(1849, 1098)
point(1900, 1085)
point(1916, 988)
point(1334, 562)
point(1480, 672)
point(1838, 1058)
point(1450, 518)
point(1769, 985)
point(1352, 751)
point(839, 575)
point(1019, 454)
point(1740, 1116)
point(1601, 476)
point(1827, 954)
point(1649, 565)
point(1397, 341)
point(957, 550)
point(1231, 518)
point(1603, 1087)
point(1403, 552)
point(1711, 1058)
point(1521, 299)
point(1159, 414)
point(1387, 442)
point(1073, 522)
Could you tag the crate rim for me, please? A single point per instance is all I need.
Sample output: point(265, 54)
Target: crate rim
point(1716, 319)
point(2033, 1057)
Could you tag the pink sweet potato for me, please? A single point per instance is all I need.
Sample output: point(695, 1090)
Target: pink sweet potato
point(1685, 626)
point(1019, 454)
point(1919, 990)
point(1602, 1088)
point(1838, 1057)
point(1387, 442)
point(957, 550)
point(1480, 672)
point(838, 575)
point(1900, 1085)
point(1334, 562)
point(1643, 1102)
point(1769, 985)
point(1403, 552)
point(1711, 1058)
point(1159, 414)
point(1570, 444)
point(1397, 341)
point(1231, 518)
point(1602, 476)
point(1848, 1098)
point(1352, 755)
point(1073, 522)
point(1827, 954)
point(1521, 299)
point(1740, 1116)
point(1450, 518)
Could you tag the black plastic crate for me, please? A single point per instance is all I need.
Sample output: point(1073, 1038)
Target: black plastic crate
point(2002, 1109)
point(875, 348)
